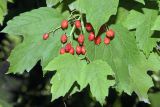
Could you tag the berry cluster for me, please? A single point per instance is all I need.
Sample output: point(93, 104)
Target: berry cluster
point(97, 39)
point(80, 48)
point(109, 36)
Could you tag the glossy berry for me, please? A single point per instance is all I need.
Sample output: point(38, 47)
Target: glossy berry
point(89, 27)
point(97, 40)
point(106, 40)
point(64, 38)
point(80, 39)
point(83, 50)
point(91, 36)
point(78, 50)
point(78, 24)
point(110, 33)
point(71, 51)
point(68, 47)
point(62, 51)
point(45, 36)
point(64, 24)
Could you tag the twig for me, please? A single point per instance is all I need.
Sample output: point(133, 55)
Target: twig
point(54, 29)
point(64, 104)
point(72, 31)
point(87, 59)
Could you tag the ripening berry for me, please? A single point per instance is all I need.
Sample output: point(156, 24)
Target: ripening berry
point(110, 33)
point(68, 47)
point(45, 36)
point(91, 36)
point(71, 51)
point(81, 39)
point(64, 38)
point(83, 50)
point(89, 27)
point(78, 24)
point(97, 40)
point(64, 24)
point(78, 50)
point(106, 40)
point(62, 51)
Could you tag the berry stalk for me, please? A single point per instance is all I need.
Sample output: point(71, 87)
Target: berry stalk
point(72, 31)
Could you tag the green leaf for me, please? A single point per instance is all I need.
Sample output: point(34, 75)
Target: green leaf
point(140, 1)
point(132, 19)
point(95, 74)
point(138, 75)
point(121, 15)
point(68, 71)
point(143, 23)
point(3, 10)
point(33, 52)
point(158, 2)
point(124, 58)
point(51, 3)
point(144, 34)
point(35, 22)
point(97, 12)
point(32, 25)
point(154, 62)
point(156, 25)
point(11, 1)
point(154, 97)
point(4, 103)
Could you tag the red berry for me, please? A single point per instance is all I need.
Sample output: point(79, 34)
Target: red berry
point(89, 27)
point(78, 24)
point(80, 39)
point(64, 38)
point(91, 36)
point(68, 47)
point(62, 51)
point(106, 40)
point(83, 50)
point(71, 51)
point(110, 33)
point(97, 40)
point(45, 36)
point(64, 24)
point(78, 50)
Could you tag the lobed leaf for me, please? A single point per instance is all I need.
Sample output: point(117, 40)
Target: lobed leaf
point(143, 22)
point(95, 74)
point(32, 25)
point(140, 1)
point(98, 12)
point(123, 56)
point(51, 3)
point(156, 25)
point(3, 10)
point(68, 68)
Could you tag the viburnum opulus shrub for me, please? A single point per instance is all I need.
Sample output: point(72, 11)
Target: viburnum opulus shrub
point(85, 41)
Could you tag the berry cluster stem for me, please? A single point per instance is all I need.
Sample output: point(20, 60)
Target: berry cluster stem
point(87, 59)
point(54, 30)
point(71, 17)
point(83, 28)
point(73, 29)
